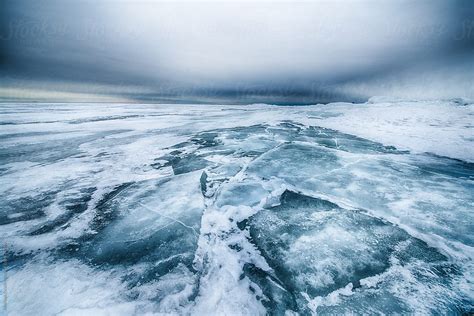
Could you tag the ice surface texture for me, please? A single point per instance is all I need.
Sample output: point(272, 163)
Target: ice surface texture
point(238, 210)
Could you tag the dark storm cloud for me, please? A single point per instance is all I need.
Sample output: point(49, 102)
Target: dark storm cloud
point(262, 51)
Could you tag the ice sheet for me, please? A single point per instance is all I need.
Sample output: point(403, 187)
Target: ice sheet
point(241, 210)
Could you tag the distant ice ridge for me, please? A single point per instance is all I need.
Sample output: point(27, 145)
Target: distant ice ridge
point(437, 127)
point(238, 210)
point(387, 99)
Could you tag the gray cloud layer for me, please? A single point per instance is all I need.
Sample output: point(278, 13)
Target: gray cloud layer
point(242, 51)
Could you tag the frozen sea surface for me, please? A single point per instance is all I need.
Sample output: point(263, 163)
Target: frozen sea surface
point(237, 210)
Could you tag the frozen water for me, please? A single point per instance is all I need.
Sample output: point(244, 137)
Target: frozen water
point(317, 248)
point(238, 210)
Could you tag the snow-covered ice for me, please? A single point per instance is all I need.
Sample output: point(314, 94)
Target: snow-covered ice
point(122, 209)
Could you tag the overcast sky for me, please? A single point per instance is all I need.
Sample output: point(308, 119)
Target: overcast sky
point(234, 52)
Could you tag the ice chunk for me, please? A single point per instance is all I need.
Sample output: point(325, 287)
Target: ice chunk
point(245, 194)
point(315, 247)
point(156, 221)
